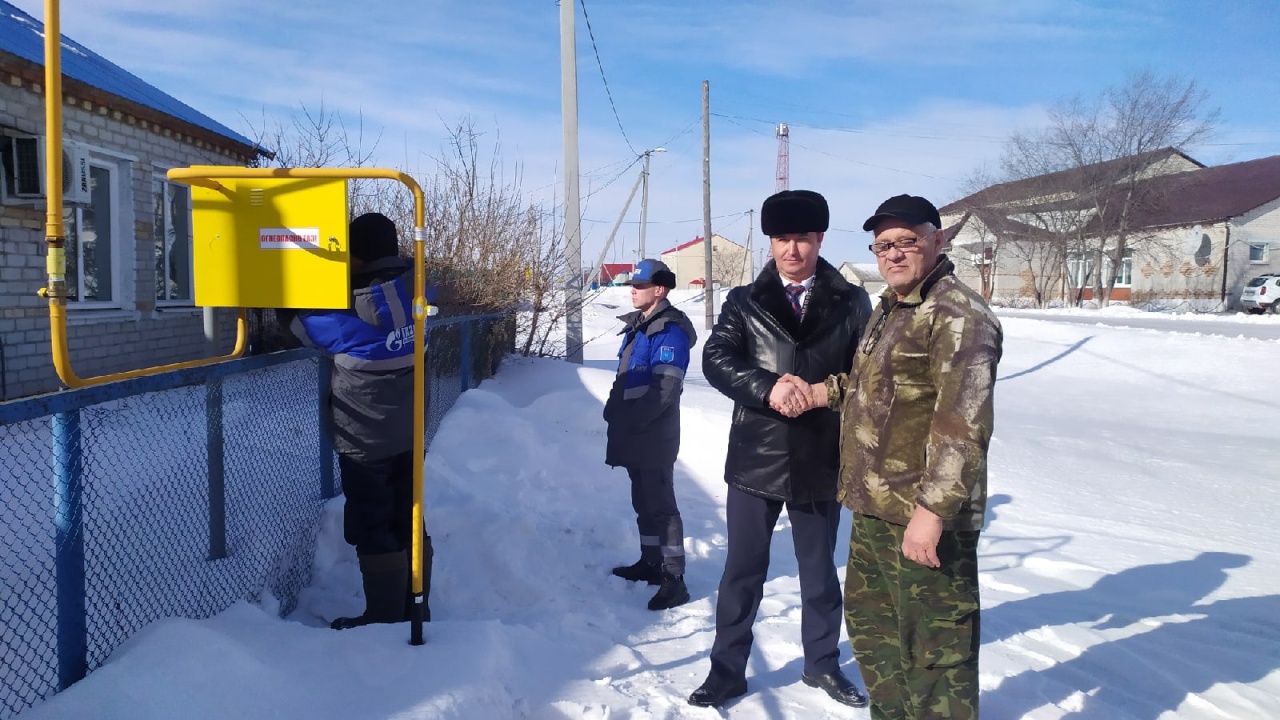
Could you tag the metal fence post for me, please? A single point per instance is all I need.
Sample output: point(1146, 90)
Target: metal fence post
point(326, 429)
point(217, 478)
point(466, 355)
point(73, 648)
point(213, 432)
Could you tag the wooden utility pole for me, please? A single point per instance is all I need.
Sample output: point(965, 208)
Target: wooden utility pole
point(644, 205)
point(599, 266)
point(708, 286)
point(572, 211)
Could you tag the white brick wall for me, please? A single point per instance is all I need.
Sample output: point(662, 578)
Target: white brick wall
point(135, 336)
point(1165, 268)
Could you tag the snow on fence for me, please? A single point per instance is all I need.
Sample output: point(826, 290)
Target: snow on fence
point(175, 495)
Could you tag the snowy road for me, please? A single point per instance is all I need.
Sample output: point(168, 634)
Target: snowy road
point(1258, 327)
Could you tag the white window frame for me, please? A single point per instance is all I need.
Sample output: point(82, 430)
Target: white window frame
point(1124, 276)
point(161, 182)
point(120, 237)
point(1266, 253)
point(1080, 270)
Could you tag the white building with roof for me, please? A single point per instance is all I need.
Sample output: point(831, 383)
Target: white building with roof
point(127, 228)
point(864, 275)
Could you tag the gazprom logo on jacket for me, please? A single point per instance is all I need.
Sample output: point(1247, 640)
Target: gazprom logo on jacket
point(398, 339)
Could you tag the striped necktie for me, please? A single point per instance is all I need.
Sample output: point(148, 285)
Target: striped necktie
point(793, 294)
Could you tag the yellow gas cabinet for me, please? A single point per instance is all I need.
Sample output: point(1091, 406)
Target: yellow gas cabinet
point(270, 242)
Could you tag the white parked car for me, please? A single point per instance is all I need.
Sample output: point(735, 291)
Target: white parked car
point(1262, 293)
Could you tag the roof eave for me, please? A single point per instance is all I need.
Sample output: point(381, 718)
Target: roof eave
point(32, 75)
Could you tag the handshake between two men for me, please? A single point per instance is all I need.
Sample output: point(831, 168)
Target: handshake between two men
point(792, 396)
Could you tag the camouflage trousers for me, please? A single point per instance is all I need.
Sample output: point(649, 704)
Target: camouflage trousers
point(914, 630)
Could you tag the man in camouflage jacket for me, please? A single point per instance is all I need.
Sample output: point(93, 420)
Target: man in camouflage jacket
point(916, 420)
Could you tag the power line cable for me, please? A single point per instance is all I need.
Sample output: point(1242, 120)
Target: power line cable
point(687, 129)
point(666, 222)
point(943, 138)
point(824, 152)
point(615, 178)
point(631, 161)
point(590, 173)
point(863, 131)
point(774, 105)
point(600, 65)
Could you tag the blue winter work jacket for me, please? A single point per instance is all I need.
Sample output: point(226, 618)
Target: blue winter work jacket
point(372, 349)
point(643, 410)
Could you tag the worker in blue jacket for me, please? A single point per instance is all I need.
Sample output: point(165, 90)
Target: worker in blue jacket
point(371, 404)
point(643, 416)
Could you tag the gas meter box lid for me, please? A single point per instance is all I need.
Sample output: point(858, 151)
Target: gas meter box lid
point(271, 243)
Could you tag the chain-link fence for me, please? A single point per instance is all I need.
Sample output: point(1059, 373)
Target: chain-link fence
point(174, 495)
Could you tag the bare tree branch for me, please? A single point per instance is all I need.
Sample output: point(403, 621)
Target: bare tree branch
point(1083, 180)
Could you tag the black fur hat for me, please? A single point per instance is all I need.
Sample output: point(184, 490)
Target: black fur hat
point(794, 211)
point(374, 236)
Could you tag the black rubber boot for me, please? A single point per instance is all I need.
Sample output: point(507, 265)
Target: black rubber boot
point(641, 571)
point(386, 583)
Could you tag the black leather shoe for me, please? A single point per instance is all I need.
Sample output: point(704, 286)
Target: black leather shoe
point(673, 593)
point(640, 571)
point(716, 692)
point(839, 687)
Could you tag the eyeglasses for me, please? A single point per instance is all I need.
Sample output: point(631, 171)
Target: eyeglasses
point(903, 244)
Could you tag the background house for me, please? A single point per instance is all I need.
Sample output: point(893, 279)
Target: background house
point(730, 262)
point(615, 273)
point(128, 229)
point(864, 275)
point(1199, 234)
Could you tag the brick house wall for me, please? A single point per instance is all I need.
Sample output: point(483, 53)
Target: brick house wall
point(1170, 267)
point(1258, 230)
point(732, 262)
point(139, 331)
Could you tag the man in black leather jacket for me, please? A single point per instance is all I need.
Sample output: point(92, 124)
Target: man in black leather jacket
point(799, 318)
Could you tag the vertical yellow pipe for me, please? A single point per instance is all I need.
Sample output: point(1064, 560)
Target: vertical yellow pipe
point(55, 235)
point(53, 134)
point(420, 311)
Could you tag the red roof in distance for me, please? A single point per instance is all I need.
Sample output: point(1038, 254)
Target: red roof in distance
point(609, 271)
point(682, 246)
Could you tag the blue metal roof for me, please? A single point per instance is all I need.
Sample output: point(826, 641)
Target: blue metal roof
point(23, 35)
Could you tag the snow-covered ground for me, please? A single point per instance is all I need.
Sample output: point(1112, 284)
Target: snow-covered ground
point(1128, 568)
point(1233, 324)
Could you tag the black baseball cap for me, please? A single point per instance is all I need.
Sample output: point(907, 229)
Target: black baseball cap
point(908, 208)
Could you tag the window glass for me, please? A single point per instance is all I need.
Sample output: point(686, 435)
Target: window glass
point(172, 224)
point(89, 242)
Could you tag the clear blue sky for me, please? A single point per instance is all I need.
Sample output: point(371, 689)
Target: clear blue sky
point(882, 98)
